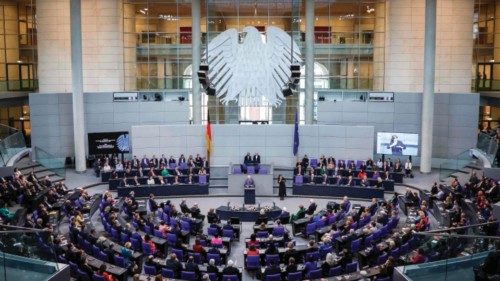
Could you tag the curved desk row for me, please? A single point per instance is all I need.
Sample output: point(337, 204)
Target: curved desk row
point(183, 179)
point(164, 190)
point(225, 213)
point(339, 191)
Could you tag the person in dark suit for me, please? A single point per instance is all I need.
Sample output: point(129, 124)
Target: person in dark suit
point(249, 183)
point(256, 159)
point(230, 269)
point(153, 163)
point(291, 266)
point(211, 268)
point(190, 266)
point(281, 187)
point(272, 269)
point(349, 181)
point(305, 162)
point(290, 252)
point(489, 269)
point(182, 159)
point(144, 162)
point(312, 207)
point(248, 159)
point(174, 265)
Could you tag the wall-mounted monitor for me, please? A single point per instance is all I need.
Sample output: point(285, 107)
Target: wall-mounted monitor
point(108, 143)
point(397, 144)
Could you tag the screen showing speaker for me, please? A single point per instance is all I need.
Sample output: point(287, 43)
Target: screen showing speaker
point(108, 142)
point(397, 143)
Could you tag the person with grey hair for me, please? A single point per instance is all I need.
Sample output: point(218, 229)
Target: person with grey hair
point(230, 269)
point(211, 268)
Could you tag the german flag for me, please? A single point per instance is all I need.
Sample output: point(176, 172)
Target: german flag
point(208, 137)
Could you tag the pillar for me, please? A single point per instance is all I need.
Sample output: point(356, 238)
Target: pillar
point(77, 85)
point(196, 50)
point(309, 70)
point(428, 93)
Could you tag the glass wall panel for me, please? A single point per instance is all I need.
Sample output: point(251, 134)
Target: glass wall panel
point(349, 47)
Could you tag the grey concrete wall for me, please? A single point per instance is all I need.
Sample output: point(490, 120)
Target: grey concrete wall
point(52, 120)
point(273, 142)
point(455, 119)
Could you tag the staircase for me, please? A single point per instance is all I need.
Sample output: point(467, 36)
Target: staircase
point(25, 165)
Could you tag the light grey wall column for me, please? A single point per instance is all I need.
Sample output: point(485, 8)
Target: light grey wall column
point(428, 95)
point(309, 71)
point(77, 84)
point(196, 46)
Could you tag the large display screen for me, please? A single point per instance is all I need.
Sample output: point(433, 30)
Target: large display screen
point(397, 144)
point(108, 143)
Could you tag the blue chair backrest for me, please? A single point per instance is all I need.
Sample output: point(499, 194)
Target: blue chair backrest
point(279, 231)
point(187, 275)
point(250, 170)
point(179, 253)
point(96, 277)
point(272, 258)
point(253, 262)
point(314, 274)
point(212, 231)
point(273, 277)
point(167, 273)
point(262, 234)
point(228, 233)
point(82, 275)
point(150, 270)
point(351, 267)
point(299, 180)
point(230, 277)
point(294, 276)
point(312, 256)
point(215, 257)
point(212, 276)
point(119, 261)
point(335, 271)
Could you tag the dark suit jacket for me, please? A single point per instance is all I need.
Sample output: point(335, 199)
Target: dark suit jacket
point(247, 160)
point(175, 266)
point(230, 270)
point(271, 270)
point(256, 159)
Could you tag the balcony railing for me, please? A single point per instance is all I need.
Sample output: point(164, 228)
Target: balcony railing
point(11, 143)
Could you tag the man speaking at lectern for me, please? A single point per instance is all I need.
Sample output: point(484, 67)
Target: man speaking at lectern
point(249, 183)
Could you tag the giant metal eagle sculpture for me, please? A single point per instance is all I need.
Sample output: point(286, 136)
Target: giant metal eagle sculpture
point(251, 68)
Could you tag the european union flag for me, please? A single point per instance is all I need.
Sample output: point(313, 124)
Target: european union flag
point(296, 136)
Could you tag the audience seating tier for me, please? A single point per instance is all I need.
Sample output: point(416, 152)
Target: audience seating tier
point(225, 213)
point(339, 191)
point(164, 190)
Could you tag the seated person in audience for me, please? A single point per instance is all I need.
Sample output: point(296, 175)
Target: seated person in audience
point(161, 181)
point(312, 207)
point(152, 246)
point(299, 214)
point(144, 162)
point(290, 251)
point(248, 159)
point(253, 241)
point(351, 166)
point(344, 258)
point(379, 183)
point(362, 166)
point(327, 265)
point(150, 180)
point(174, 265)
point(364, 182)
point(256, 159)
point(196, 212)
point(113, 175)
point(190, 266)
point(418, 256)
point(387, 269)
point(252, 251)
point(397, 167)
point(271, 248)
point(422, 222)
point(230, 269)
point(262, 218)
point(84, 266)
point(291, 266)
point(249, 182)
point(342, 165)
point(373, 206)
point(212, 215)
point(171, 160)
point(272, 269)
point(153, 162)
point(106, 167)
point(151, 173)
point(211, 267)
point(198, 248)
point(202, 171)
point(284, 216)
point(361, 174)
point(298, 170)
point(182, 159)
point(198, 160)
point(163, 160)
point(216, 240)
point(350, 181)
point(305, 162)
point(164, 172)
point(311, 176)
